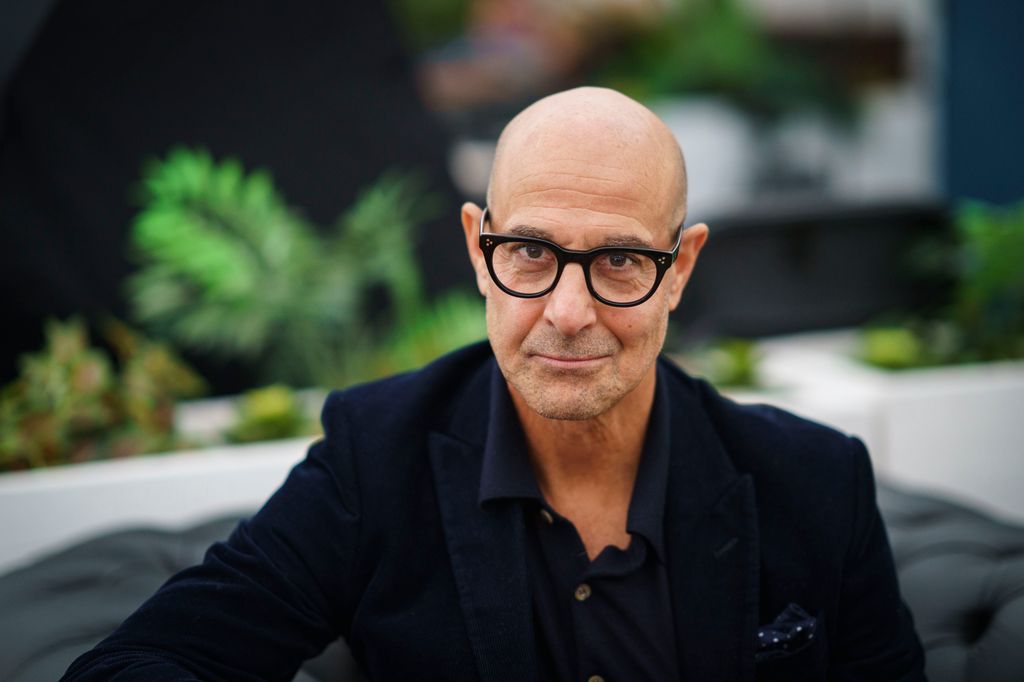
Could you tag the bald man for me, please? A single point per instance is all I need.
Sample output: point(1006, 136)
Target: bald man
point(559, 503)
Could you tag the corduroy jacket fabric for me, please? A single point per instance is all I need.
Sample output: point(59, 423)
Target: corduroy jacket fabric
point(379, 537)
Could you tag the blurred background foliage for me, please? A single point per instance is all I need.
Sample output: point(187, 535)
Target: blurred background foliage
point(716, 47)
point(728, 363)
point(73, 402)
point(984, 318)
point(270, 413)
point(226, 267)
point(649, 51)
point(424, 25)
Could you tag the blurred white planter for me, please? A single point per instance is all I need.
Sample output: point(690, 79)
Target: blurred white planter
point(955, 430)
point(44, 510)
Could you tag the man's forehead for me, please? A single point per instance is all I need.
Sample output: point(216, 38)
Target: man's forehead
point(580, 228)
point(559, 195)
point(593, 236)
point(580, 172)
point(590, 148)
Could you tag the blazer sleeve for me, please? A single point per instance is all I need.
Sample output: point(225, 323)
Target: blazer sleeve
point(876, 637)
point(271, 596)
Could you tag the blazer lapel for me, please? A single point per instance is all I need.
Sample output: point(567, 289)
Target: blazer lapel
point(712, 546)
point(487, 549)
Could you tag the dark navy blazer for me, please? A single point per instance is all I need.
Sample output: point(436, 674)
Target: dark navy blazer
point(379, 537)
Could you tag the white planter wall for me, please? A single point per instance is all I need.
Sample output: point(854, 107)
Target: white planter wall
point(958, 431)
point(44, 510)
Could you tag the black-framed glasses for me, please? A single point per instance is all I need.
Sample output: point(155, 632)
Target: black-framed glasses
point(620, 276)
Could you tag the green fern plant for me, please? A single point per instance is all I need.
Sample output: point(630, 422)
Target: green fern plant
point(228, 268)
point(455, 320)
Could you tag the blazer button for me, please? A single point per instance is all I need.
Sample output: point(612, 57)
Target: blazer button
point(583, 592)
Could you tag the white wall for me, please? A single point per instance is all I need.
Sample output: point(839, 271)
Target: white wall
point(43, 510)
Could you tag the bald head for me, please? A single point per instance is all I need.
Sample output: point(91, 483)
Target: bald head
point(591, 141)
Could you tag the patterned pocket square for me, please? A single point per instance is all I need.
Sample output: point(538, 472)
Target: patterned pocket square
point(791, 631)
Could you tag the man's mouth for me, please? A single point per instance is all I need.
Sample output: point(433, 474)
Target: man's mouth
point(563, 362)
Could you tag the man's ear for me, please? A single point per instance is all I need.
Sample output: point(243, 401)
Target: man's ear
point(471, 226)
point(679, 274)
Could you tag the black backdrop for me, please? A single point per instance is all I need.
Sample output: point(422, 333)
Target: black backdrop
point(319, 92)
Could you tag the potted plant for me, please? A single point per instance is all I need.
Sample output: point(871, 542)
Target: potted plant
point(938, 397)
point(225, 266)
point(74, 403)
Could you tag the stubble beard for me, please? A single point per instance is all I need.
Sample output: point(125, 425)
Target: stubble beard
point(566, 395)
point(563, 402)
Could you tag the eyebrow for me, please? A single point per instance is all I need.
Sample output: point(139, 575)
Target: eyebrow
point(624, 240)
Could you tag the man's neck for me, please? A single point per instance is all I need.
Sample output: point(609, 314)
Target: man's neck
point(580, 462)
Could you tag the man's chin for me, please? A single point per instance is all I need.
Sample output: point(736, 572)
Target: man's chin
point(565, 402)
point(576, 414)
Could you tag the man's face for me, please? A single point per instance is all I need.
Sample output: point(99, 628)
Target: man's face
point(567, 355)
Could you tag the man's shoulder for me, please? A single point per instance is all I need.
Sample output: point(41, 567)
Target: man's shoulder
point(419, 398)
point(768, 441)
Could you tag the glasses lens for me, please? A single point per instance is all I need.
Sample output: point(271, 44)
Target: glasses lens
point(524, 267)
point(623, 276)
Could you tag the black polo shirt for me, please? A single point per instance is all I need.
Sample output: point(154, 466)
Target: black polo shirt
point(608, 619)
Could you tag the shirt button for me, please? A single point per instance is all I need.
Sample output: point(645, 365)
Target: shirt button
point(595, 678)
point(546, 515)
point(583, 593)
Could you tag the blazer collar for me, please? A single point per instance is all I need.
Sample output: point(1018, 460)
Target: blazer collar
point(486, 544)
point(712, 544)
point(710, 536)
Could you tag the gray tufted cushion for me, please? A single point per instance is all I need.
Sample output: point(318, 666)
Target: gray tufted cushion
point(962, 574)
point(64, 604)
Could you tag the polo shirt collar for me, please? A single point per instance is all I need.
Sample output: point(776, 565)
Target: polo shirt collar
point(647, 506)
point(506, 473)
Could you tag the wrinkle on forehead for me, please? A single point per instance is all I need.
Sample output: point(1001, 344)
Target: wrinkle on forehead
point(593, 141)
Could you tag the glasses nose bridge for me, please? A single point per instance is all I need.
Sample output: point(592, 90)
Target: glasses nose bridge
point(581, 259)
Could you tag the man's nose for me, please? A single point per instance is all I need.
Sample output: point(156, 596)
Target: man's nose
point(570, 307)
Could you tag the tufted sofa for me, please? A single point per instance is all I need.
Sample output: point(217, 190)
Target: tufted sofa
point(962, 573)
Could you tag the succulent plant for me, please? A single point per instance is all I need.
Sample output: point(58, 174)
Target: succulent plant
point(73, 403)
point(269, 413)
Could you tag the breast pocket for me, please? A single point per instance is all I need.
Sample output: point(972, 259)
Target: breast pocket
point(805, 665)
point(792, 647)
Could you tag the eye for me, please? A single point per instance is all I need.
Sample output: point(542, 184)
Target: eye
point(618, 261)
point(532, 251)
point(526, 256)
